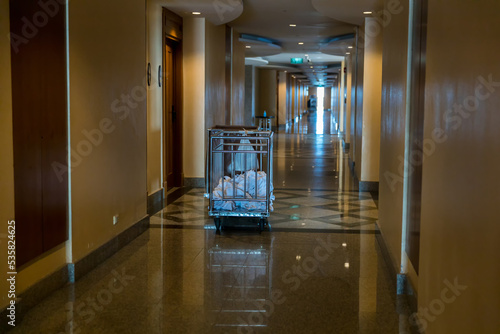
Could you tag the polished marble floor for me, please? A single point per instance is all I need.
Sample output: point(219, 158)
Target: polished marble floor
point(318, 270)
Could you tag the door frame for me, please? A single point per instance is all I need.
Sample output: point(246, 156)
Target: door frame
point(172, 35)
point(415, 129)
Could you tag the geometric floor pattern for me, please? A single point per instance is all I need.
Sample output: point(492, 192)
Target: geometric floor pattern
point(293, 209)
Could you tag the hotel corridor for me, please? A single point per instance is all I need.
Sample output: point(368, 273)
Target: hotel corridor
point(319, 270)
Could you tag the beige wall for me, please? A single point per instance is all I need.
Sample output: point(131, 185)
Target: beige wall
point(113, 178)
point(282, 92)
point(267, 93)
point(341, 100)
point(215, 67)
point(282, 95)
point(357, 116)
point(328, 98)
point(154, 102)
point(193, 44)
point(238, 81)
point(109, 177)
point(348, 105)
point(461, 188)
point(392, 140)
point(6, 149)
point(372, 83)
point(250, 94)
point(334, 102)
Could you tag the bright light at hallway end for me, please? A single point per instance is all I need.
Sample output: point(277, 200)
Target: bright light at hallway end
point(320, 110)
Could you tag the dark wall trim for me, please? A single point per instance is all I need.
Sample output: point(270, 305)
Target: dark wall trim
point(104, 252)
point(34, 295)
point(346, 146)
point(71, 272)
point(194, 182)
point(155, 201)
point(351, 166)
point(368, 186)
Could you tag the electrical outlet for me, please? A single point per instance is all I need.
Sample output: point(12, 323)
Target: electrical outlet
point(115, 219)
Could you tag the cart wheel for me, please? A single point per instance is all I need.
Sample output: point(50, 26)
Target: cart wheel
point(217, 222)
point(261, 224)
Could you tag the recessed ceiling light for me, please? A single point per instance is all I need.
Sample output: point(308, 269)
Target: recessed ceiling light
point(196, 13)
point(301, 43)
point(367, 13)
point(306, 55)
point(312, 66)
point(347, 53)
point(349, 47)
point(293, 25)
point(248, 47)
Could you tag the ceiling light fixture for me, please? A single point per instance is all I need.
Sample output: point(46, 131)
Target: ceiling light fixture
point(196, 13)
point(301, 43)
point(349, 47)
point(367, 13)
point(248, 47)
point(347, 53)
point(293, 25)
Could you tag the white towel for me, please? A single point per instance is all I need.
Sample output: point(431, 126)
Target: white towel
point(239, 183)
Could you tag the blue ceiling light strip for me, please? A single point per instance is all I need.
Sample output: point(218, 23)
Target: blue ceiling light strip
point(259, 39)
point(339, 38)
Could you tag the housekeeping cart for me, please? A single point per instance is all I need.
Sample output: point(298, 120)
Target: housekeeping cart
point(239, 180)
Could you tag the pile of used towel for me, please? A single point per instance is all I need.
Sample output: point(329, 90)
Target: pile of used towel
point(238, 184)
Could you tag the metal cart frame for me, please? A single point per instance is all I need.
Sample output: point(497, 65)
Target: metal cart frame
point(230, 151)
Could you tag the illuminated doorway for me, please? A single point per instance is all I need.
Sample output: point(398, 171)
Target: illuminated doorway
point(320, 111)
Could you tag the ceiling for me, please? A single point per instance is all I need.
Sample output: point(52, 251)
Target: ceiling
point(325, 27)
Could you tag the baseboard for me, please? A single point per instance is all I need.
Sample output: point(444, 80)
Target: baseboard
point(155, 201)
point(92, 260)
point(351, 164)
point(71, 272)
point(346, 146)
point(399, 282)
point(389, 260)
point(406, 288)
point(368, 186)
point(34, 295)
point(194, 182)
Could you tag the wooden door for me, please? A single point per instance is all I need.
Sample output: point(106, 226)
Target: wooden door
point(172, 116)
point(39, 131)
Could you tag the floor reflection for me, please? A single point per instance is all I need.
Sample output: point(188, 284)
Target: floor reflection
point(320, 122)
point(195, 281)
point(184, 278)
point(240, 281)
point(312, 161)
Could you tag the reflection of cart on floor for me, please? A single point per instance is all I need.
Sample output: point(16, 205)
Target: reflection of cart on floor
point(239, 174)
point(240, 284)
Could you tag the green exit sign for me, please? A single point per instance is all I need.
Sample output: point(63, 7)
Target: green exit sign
point(297, 60)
